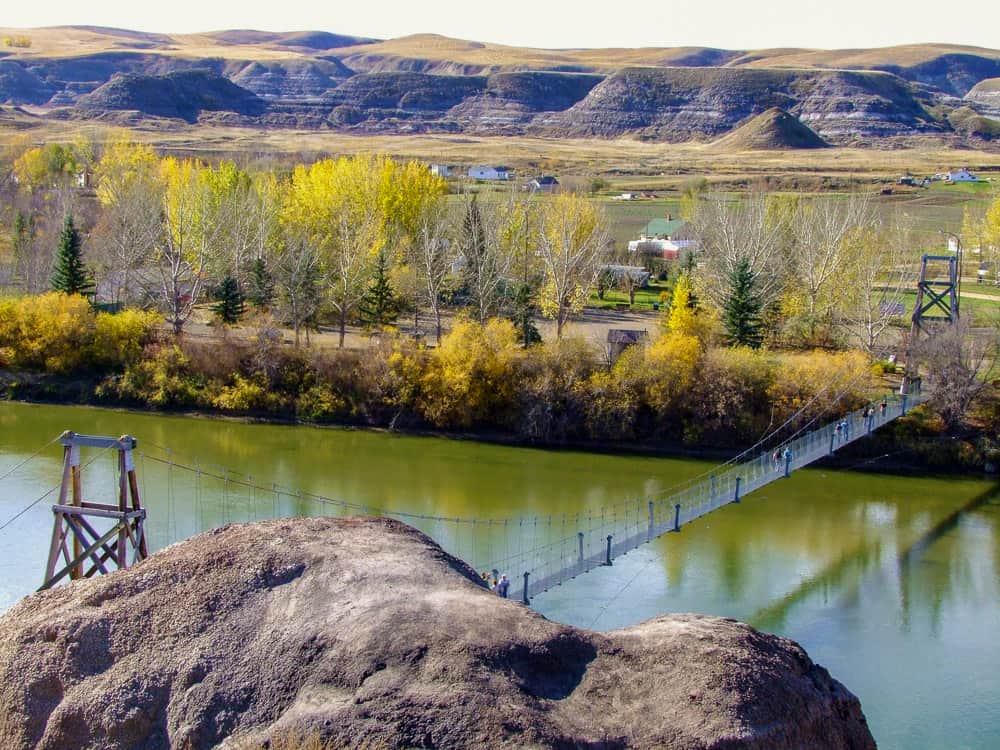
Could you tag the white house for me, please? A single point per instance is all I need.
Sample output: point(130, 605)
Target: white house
point(490, 173)
point(441, 170)
point(961, 175)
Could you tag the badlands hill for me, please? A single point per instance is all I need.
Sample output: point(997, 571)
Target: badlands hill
point(367, 633)
point(429, 83)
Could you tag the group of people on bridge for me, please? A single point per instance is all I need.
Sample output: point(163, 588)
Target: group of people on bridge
point(500, 586)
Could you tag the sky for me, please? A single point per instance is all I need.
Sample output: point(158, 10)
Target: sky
point(830, 24)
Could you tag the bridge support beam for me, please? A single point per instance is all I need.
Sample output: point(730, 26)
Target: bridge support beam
point(607, 561)
point(677, 517)
point(579, 539)
point(652, 522)
point(736, 492)
point(524, 593)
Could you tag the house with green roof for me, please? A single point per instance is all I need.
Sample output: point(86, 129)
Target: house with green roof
point(664, 238)
point(663, 229)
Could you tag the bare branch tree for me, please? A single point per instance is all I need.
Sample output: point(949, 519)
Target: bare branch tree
point(820, 229)
point(876, 275)
point(957, 363)
point(297, 275)
point(728, 233)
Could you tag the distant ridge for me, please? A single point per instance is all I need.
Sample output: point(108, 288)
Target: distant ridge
point(772, 130)
point(428, 83)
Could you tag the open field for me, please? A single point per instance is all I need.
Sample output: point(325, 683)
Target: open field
point(632, 164)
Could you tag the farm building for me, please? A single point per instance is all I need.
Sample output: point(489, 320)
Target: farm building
point(490, 173)
point(620, 339)
point(664, 238)
point(545, 183)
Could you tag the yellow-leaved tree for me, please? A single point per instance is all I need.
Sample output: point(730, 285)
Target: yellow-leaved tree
point(681, 318)
point(188, 237)
point(571, 241)
point(470, 376)
point(337, 207)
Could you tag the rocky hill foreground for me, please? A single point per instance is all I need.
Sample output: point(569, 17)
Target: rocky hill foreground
point(430, 84)
point(366, 632)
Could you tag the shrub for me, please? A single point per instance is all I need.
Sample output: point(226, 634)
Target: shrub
point(119, 339)
point(728, 399)
point(815, 379)
point(469, 378)
point(246, 394)
point(319, 404)
point(45, 332)
point(165, 378)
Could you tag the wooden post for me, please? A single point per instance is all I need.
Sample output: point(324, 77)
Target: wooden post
point(95, 551)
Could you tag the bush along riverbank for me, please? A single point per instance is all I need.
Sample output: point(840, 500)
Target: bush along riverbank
point(678, 393)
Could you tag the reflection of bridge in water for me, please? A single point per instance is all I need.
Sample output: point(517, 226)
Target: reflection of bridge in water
point(536, 552)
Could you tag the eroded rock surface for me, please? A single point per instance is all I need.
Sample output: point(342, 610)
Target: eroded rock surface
point(365, 630)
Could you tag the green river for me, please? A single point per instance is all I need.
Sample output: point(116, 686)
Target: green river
point(892, 583)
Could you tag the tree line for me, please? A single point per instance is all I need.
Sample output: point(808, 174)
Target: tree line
point(362, 238)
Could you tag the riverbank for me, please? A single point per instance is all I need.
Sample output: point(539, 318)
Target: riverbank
point(910, 447)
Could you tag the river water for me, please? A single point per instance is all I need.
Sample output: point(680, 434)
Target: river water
point(892, 583)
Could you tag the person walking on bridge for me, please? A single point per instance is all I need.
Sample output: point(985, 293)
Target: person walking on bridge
point(503, 586)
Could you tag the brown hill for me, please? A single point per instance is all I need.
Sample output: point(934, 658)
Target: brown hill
point(433, 84)
point(773, 130)
point(366, 632)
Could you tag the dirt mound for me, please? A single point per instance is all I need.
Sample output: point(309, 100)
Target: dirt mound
point(367, 632)
point(773, 130)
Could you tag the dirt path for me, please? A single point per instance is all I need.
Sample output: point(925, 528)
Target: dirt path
point(592, 326)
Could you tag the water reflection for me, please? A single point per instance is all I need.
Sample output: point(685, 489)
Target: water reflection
point(890, 582)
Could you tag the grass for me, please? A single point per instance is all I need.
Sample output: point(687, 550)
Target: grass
point(981, 312)
point(644, 298)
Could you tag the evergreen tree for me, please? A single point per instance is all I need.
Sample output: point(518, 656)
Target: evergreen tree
point(741, 312)
point(261, 291)
point(523, 316)
point(24, 231)
point(70, 275)
point(229, 301)
point(379, 306)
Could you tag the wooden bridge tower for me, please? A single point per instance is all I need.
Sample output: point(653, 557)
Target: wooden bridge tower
point(75, 520)
point(937, 303)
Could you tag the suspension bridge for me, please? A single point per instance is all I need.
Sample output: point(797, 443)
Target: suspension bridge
point(537, 552)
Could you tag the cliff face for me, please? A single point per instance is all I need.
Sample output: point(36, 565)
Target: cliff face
point(369, 634)
point(680, 104)
point(434, 84)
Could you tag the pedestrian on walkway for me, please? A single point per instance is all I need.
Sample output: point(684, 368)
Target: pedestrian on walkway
point(503, 586)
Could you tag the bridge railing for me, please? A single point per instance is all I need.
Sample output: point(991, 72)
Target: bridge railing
point(626, 526)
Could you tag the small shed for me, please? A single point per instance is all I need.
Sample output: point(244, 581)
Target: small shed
point(620, 339)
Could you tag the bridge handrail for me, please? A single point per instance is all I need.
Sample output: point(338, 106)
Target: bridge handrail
point(553, 563)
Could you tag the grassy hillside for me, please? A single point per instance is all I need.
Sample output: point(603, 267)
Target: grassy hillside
point(59, 41)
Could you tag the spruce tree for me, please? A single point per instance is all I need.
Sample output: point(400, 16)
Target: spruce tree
point(229, 301)
point(523, 316)
point(378, 306)
point(261, 285)
point(70, 275)
point(24, 231)
point(741, 311)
